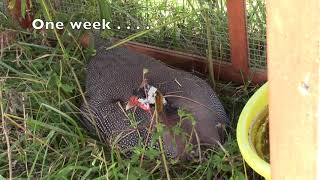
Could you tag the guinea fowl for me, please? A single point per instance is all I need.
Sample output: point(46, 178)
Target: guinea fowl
point(114, 77)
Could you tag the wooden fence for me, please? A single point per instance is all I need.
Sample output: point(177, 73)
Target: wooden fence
point(237, 71)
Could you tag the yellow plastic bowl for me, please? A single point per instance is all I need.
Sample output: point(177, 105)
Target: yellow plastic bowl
point(255, 106)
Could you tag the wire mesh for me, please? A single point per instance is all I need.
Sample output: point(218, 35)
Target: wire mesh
point(70, 6)
point(72, 10)
point(2, 6)
point(186, 34)
point(179, 24)
point(2, 13)
point(256, 27)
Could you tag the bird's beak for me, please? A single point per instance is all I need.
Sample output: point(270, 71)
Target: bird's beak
point(132, 103)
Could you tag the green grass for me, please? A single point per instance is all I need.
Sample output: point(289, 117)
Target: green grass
point(40, 96)
point(188, 34)
point(41, 88)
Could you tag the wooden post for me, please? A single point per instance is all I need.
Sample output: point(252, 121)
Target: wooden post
point(293, 30)
point(234, 71)
point(238, 35)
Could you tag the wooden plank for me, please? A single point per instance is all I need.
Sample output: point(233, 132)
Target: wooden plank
point(293, 30)
point(238, 35)
point(189, 62)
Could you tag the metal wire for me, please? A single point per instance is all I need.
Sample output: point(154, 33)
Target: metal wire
point(2, 6)
point(186, 35)
point(3, 13)
point(72, 10)
point(256, 26)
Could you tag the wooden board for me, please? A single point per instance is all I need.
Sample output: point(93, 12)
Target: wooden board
point(223, 70)
point(237, 27)
point(293, 30)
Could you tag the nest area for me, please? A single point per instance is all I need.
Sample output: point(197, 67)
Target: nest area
point(52, 87)
point(42, 85)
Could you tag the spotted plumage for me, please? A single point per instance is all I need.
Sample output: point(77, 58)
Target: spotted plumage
point(117, 73)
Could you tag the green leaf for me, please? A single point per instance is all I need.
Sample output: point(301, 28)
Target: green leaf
point(63, 173)
point(209, 175)
point(89, 171)
point(238, 175)
point(2, 178)
point(138, 173)
point(152, 153)
point(23, 8)
point(47, 126)
point(105, 9)
point(10, 68)
point(71, 120)
point(67, 88)
point(106, 34)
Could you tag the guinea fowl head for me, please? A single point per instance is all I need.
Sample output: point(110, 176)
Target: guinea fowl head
point(148, 98)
